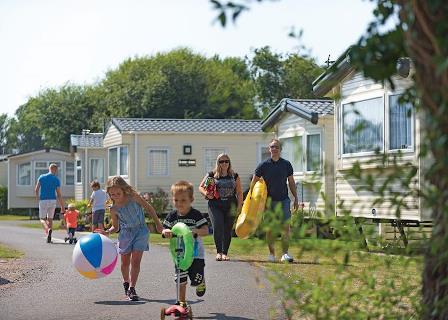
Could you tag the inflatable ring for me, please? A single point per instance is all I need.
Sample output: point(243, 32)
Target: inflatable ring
point(180, 229)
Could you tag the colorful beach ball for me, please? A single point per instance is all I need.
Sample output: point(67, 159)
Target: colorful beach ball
point(95, 256)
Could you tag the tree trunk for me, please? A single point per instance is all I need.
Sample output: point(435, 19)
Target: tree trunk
point(428, 48)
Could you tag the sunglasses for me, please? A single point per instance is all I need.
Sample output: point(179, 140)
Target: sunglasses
point(224, 161)
point(274, 147)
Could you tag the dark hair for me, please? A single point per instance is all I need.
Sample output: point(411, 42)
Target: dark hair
point(95, 184)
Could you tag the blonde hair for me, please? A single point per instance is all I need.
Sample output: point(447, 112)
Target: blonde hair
point(182, 186)
point(217, 172)
point(119, 182)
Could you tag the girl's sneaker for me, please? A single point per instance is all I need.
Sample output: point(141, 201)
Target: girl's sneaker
point(126, 288)
point(132, 295)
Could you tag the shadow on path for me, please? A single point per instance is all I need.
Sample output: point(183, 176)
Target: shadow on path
point(142, 301)
point(222, 316)
point(4, 281)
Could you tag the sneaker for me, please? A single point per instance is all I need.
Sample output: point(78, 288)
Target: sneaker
point(200, 289)
point(271, 258)
point(49, 236)
point(126, 288)
point(286, 258)
point(66, 239)
point(132, 295)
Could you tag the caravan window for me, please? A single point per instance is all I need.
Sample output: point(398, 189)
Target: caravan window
point(97, 170)
point(400, 124)
point(158, 162)
point(24, 174)
point(313, 157)
point(292, 150)
point(118, 161)
point(69, 173)
point(362, 126)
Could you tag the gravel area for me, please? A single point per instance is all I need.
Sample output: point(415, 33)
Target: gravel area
point(14, 272)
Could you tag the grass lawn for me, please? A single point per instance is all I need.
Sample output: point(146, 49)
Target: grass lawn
point(326, 269)
point(8, 253)
point(10, 217)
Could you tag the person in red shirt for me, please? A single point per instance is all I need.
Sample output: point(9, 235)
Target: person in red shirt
point(71, 221)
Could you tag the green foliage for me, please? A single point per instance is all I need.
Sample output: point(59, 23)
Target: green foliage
point(3, 200)
point(84, 216)
point(277, 77)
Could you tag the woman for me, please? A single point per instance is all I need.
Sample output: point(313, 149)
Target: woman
point(222, 188)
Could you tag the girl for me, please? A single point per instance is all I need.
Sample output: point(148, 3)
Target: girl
point(128, 217)
point(228, 189)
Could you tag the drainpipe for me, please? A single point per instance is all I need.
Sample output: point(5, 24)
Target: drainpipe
point(136, 160)
point(85, 132)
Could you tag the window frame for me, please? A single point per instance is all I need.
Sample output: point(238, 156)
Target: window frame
point(30, 174)
point(351, 101)
point(78, 168)
point(148, 161)
point(305, 164)
point(66, 172)
point(118, 168)
point(411, 148)
point(91, 166)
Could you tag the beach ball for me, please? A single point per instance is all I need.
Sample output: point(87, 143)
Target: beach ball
point(95, 256)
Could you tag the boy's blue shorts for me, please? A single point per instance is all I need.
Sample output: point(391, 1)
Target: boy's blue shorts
point(133, 239)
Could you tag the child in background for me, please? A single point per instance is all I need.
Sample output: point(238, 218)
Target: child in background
point(182, 193)
point(71, 222)
point(98, 203)
point(128, 217)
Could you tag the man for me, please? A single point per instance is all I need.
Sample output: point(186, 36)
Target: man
point(276, 171)
point(47, 190)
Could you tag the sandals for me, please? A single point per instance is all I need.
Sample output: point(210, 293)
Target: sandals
point(225, 257)
point(219, 257)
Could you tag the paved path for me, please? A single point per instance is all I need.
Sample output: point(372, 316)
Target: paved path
point(57, 291)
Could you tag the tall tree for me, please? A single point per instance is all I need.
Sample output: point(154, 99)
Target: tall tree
point(277, 76)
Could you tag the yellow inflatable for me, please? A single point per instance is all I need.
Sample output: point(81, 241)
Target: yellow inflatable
point(252, 210)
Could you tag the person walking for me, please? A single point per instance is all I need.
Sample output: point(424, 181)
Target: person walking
point(97, 201)
point(47, 190)
point(277, 173)
point(128, 217)
point(222, 188)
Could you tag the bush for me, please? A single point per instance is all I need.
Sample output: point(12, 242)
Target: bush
point(3, 200)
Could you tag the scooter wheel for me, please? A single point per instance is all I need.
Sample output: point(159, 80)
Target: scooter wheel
point(162, 314)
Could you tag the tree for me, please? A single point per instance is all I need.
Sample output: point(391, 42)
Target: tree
point(177, 84)
point(277, 76)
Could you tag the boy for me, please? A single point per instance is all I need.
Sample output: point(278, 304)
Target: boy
point(71, 221)
point(182, 193)
point(98, 199)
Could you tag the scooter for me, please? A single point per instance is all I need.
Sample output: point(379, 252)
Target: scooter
point(176, 310)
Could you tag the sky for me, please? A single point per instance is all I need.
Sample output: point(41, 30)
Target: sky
point(48, 43)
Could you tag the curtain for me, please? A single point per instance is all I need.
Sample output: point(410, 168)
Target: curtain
point(400, 124)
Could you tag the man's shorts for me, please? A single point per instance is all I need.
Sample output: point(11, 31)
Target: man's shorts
point(46, 209)
point(133, 239)
point(98, 216)
point(195, 273)
point(286, 208)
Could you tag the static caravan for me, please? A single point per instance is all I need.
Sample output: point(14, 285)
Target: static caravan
point(24, 169)
point(155, 153)
point(372, 124)
point(306, 130)
point(90, 159)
